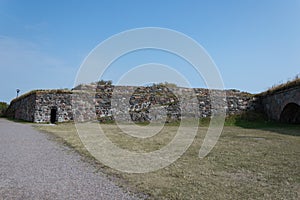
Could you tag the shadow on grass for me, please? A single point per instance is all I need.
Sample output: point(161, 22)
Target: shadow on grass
point(248, 120)
point(17, 120)
point(254, 120)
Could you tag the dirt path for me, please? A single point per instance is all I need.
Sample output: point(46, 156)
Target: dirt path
point(34, 167)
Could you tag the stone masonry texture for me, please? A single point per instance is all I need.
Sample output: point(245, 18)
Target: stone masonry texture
point(104, 102)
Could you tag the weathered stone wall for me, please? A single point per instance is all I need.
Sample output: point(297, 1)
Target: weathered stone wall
point(36, 106)
point(60, 101)
point(125, 103)
point(274, 103)
point(84, 105)
point(236, 102)
point(158, 102)
point(23, 107)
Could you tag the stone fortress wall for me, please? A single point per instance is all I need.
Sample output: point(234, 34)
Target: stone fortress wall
point(107, 102)
point(282, 105)
point(22, 108)
point(159, 102)
point(36, 106)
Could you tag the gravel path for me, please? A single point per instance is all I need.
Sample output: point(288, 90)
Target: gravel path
point(34, 167)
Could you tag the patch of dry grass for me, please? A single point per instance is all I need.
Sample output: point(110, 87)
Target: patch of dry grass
point(277, 88)
point(245, 164)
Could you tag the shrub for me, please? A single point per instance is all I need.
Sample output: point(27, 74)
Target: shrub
point(103, 82)
point(3, 107)
point(168, 85)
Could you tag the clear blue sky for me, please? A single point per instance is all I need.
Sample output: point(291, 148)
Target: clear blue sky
point(254, 43)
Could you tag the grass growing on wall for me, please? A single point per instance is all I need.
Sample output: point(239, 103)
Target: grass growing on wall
point(289, 84)
point(56, 91)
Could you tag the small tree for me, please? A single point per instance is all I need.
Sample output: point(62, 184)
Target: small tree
point(103, 82)
point(3, 107)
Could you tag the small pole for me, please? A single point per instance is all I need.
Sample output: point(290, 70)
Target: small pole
point(18, 90)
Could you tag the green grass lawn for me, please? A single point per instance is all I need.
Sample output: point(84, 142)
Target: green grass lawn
point(246, 163)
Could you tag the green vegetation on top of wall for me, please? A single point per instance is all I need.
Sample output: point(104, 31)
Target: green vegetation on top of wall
point(53, 91)
point(104, 82)
point(166, 84)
